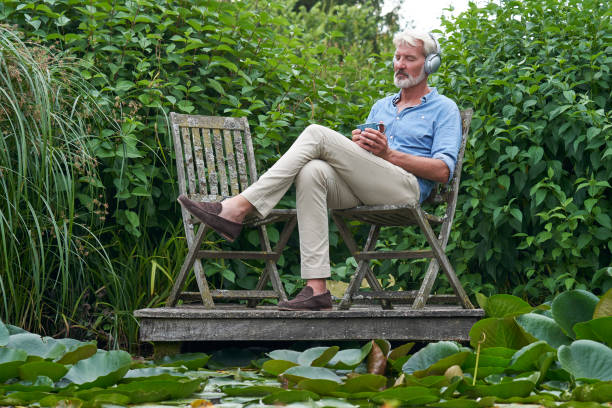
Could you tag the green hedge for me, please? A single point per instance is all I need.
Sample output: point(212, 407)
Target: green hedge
point(534, 211)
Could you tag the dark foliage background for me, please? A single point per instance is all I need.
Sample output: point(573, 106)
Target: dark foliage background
point(534, 211)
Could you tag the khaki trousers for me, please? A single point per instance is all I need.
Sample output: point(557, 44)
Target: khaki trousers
point(330, 171)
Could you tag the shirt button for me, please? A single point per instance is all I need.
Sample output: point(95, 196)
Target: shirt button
point(397, 118)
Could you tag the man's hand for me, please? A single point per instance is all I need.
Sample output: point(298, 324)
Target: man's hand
point(373, 141)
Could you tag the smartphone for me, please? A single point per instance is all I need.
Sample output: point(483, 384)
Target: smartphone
point(373, 125)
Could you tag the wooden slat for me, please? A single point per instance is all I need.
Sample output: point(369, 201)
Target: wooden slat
point(250, 153)
point(208, 122)
point(417, 254)
point(402, 297)
point(235, 322)
point(232, 294)
point(231, 163)
point(237, 255)
point(241, 159)
point(188, 160)
point(213, 185)
point(218, 143)
point(198, 153)
point(178, 151)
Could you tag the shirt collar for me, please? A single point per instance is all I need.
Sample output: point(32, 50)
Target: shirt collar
point(432, 94)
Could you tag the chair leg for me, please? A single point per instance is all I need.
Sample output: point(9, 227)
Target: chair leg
point(441, 257)
point(362, 269)
point(270, 271)
point(191, 260)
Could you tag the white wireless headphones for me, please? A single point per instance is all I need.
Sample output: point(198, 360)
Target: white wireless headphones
point(433, 60)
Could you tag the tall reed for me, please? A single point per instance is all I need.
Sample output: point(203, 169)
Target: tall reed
point(50, 194)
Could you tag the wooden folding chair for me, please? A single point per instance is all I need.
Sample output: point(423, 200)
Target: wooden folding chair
point(214, 160)
point(403, 216)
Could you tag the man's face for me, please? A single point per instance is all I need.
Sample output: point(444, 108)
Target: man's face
point(408, 65)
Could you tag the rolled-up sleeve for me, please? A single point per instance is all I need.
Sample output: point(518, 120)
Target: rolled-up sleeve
point(447, 140)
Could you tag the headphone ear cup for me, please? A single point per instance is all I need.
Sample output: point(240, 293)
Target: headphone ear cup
point(432, 63)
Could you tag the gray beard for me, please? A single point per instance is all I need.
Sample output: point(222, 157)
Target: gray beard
point(410, 81)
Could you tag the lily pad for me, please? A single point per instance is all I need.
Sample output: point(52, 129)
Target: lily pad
point(299, 373)
point(22, 397)
point(604, 306)
point(276, 367)
point(377, 360)
point(34, 345)
point(364, 383)
point(289, 396)
point(192, 361)
point(543, 328)
point(519, 388)
point(408, 395)
point(4, 334)
point(526, 358)
point(456, 403)
point(30, 371)
point(10, 360)
point(250, 391)
point(499, 332)
point(400, 351)
point(76, 350)
point(587, 359)
point(573, 306)
point(599, 329)
point(506, 306)
point(350, 358)
point(320, 387)
point(286, 355)
point(150, 373)
point(599, 391)
point(384, 346)
point(103, 369)
point(317, 356)
point(429, 355)
point(440, 367)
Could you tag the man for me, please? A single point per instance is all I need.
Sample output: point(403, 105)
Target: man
point(416, 147)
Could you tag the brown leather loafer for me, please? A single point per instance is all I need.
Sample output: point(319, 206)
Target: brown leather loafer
point(305, 300)
point(208, 214)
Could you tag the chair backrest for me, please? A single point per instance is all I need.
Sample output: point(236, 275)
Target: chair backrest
point(214, 155)
point(447, 192)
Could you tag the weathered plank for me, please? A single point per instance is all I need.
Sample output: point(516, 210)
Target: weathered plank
point(267, 323)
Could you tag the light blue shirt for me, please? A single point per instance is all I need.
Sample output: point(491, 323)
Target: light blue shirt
point(430, 129)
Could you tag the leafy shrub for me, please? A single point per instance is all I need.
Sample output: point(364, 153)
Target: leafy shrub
point(534, 215)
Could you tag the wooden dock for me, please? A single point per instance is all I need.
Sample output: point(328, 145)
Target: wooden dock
point(266, 323)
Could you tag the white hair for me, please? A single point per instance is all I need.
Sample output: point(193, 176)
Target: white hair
point(410, 38)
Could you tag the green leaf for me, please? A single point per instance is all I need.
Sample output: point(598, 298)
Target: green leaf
point(409, 395)
point(276, 367)
point(363, 383)
point(76, 350)
point(150, 373)
point(400, 351)
point(599, 392)
point(526, 358)
point(517, 388)
point(34, 345)
point(289, 396)
point(29, 371)
point(573, 307)
point(597, 329)
point(604, 306)
point(287, 355)
point(299, 373)
point(429, 355)
point(350, 358)
point(317, 356)
point(499, 332)
point(10, 360)
point(123, 85)
point(506, 306)
point(250, 391)
point(103, 369)
point(587, 359)
point(320, 387)
point(192, 361)
point(543, 328)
